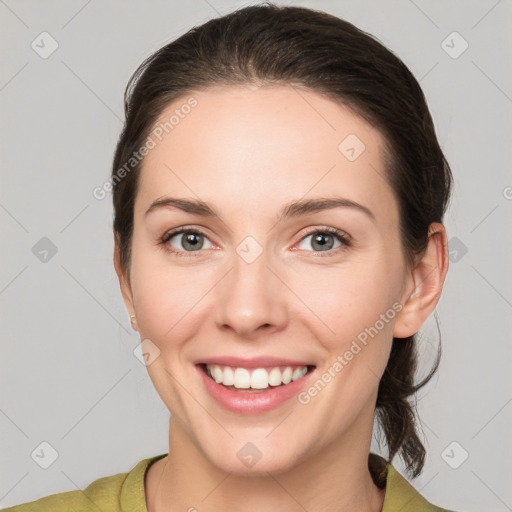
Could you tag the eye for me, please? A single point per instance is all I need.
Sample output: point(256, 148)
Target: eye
point(187, 241)
point(183, 241)
point(325, 240)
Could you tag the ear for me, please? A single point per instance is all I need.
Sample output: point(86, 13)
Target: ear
point(124, 282)
point(424, 284)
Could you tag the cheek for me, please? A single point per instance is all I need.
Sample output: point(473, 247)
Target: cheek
point(347, 301)
point(166, 297)
point(168, 301)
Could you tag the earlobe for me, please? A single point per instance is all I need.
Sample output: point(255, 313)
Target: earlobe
point(124, 284)
point(425, 284)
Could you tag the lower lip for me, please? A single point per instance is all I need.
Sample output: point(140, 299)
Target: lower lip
point(252, 402)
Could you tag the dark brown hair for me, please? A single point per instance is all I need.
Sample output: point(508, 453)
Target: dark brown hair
point(265, 45)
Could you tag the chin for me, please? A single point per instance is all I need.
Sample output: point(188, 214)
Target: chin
point(253, 459)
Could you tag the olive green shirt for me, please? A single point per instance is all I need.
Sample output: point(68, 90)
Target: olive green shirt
point(124, 492)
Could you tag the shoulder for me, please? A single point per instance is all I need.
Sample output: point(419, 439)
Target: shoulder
point(401, 495)
point(100, 494)
point(115, 493)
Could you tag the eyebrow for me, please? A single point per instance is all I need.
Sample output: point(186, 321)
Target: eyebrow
point(290, 210)
point(303, 207)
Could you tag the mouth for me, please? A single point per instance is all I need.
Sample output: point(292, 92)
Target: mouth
point(255, 380)
point(256, 385)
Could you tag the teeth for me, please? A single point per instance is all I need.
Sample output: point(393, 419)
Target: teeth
point(217, 374)
point(242, 378)
point(297, 374)
point(287, 375)
point(228, 376)
point(259, 378)
point(275, 377)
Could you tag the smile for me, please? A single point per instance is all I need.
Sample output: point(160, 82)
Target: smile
point(257, 378)
point(253, 391)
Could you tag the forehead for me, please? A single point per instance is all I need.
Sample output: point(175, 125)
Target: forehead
point(263, 145)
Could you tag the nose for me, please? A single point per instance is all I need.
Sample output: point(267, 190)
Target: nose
point(252, 299)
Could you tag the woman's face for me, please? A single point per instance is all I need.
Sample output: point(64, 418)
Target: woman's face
point(264, 277)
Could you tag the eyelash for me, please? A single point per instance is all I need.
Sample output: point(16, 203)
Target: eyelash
point(342, 237)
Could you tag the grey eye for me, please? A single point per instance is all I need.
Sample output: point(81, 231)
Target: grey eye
point(190, 241)
point(320, 241)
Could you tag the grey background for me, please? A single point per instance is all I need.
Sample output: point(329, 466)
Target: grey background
point(68, 373)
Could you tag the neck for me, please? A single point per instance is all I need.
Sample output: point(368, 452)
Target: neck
point(336, 479)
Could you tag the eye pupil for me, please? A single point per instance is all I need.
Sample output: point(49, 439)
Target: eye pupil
point(193, 241)
point(320, 239)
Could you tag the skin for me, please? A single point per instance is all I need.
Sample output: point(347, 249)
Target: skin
point(248, 151)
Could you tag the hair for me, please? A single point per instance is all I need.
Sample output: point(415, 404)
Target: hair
point(267, 45)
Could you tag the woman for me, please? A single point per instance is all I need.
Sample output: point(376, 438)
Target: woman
point(278, 194)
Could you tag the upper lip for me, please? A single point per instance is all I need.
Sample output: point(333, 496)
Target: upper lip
point(253, 362)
